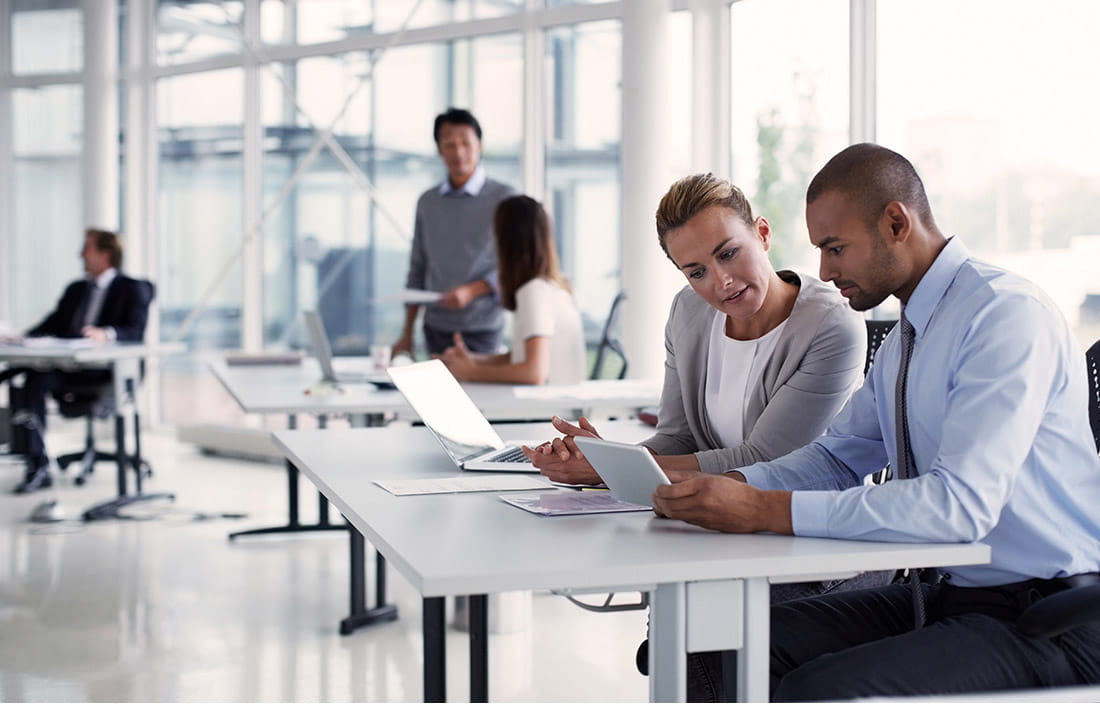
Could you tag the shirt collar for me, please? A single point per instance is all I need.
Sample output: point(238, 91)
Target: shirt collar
point(472, 186)
point(104, 280)
point(934, 284)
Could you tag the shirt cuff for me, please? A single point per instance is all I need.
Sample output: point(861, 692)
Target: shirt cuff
point(754, 475)
point(112, 334)
point(810, 513)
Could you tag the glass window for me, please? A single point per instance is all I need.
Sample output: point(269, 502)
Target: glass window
point(789, 110)
point(47, 36)
point(678, 92)
point(47, 198)
point(200, 228)
point(1000, 121)
point(316, 241)
point(189, 30)
point(330, 245)
point(313, 21)
point(483, 75)
point(584, 69)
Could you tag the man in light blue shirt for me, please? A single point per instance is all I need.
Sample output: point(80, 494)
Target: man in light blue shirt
point(1002, 452)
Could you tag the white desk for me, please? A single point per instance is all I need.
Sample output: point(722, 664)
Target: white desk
point(708, 590)
point(282, 389)
point(279, 389)
point(124, 360)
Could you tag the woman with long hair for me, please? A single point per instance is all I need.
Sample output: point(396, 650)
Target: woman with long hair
point(547, 336)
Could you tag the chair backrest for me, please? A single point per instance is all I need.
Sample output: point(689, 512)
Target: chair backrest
point(608, 341)
point(1092, 359)
point(876, 333)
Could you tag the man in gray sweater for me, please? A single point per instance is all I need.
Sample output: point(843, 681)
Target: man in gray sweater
point(452, 248)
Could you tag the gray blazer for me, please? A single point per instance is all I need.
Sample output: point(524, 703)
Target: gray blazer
point(817, 364)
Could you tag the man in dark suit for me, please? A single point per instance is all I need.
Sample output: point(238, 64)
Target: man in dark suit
point(105, 306)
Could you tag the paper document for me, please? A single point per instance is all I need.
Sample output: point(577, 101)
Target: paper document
point(412, 296)
point(260, 359)
point(598, 390)
point(75, 343)
point(457, 485)
point(571, 503)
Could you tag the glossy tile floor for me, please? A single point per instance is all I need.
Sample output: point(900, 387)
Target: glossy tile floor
point(164, 608)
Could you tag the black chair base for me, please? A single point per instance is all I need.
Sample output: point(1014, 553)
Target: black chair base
point(110, 509)
point(90, 456)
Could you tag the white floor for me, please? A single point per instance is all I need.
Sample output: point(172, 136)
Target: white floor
point(167, 609)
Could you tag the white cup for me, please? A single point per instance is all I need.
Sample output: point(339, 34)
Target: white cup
point(380, 355)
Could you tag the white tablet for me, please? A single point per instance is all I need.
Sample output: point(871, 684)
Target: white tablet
point(628, 470)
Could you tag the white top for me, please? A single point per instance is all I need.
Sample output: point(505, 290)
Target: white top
point(545, 309)
point(734, 367)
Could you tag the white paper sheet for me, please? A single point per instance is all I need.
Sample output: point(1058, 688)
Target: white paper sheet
point(571, 503)
point(411, 295)
point(592, 390)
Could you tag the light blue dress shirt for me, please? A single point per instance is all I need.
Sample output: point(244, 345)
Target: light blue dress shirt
point(472, 187)
point(998, 418)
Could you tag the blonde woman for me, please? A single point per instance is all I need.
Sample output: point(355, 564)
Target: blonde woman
point(757, 361)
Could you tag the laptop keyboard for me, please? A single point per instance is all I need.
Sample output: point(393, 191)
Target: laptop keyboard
point(513, 454)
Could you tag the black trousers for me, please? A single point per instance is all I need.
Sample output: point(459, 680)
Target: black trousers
point(37, 385)
point(862, 643)
point(705, 672)
point(478, 341)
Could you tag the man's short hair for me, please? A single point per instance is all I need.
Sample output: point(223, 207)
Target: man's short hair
point(107, 241)
point(692, 195)
point(871, 176)
point(456, 116)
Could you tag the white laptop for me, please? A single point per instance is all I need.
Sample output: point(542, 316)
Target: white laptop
point(321, 349)
point(454, 419)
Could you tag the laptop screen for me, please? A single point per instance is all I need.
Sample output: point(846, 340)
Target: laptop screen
point(319, 339)
point(446, 409)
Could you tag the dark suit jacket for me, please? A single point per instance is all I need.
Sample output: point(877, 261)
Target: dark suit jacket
point(125, 308)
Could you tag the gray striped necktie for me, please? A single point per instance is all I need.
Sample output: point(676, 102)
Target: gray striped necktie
point(907, 467)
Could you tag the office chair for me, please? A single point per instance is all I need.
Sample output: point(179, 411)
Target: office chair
point(96, 400)
point(609, 342)
point(92, 402)
point(1077, 605)
point(1092, 361)
point(877, 330)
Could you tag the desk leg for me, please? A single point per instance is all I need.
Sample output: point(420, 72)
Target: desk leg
point(668, 643)
point(135, 459)
point(293, 524)
point(753, 678)
point(120, 448)
point(360, 615)
point(435, 650)
point(322, 501)
point(479, 648)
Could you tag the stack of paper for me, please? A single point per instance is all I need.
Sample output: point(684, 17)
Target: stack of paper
point(571, 503)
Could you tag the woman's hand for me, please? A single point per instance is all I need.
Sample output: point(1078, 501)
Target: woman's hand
point(560, 459)
point(458, 359)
